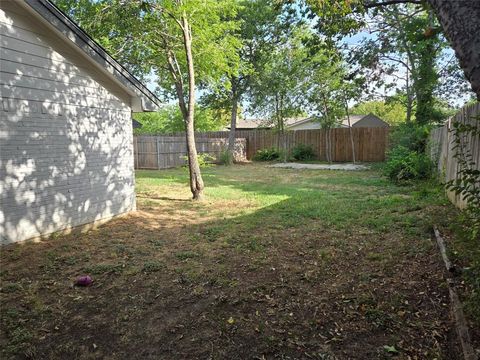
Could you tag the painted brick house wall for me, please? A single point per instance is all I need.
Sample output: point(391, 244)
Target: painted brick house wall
point(66, 154)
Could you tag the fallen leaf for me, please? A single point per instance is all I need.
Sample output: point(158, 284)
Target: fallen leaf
point(390, 349)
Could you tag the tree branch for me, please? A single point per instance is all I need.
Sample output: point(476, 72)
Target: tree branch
point(390, 2)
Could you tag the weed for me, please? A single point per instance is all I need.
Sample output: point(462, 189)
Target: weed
point(226, 158)
point(98, 269)
point(185, 255)
point(11, 287)
point(378, 317)
point(19, 340)
point(157, 243)
point(153, 266)
point(375, 256)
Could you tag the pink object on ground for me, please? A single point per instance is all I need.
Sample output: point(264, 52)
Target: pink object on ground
point(85, 280)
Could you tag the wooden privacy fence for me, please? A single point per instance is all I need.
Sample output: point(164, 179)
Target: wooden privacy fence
point(162, 152)
point(443, 153)
point(370, 143)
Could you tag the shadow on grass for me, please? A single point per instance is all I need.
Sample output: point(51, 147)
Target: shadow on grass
point(338, 198)
point(277, 263)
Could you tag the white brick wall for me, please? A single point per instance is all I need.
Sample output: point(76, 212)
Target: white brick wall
point(66, 155)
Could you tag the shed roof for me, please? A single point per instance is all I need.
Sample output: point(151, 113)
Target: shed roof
point(144, 99)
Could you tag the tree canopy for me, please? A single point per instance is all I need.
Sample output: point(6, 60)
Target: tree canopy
point(169, 120)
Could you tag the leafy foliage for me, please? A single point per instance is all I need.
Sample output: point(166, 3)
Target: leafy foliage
point(169, 120)
point(226, 158)
point(267, 155)
point(184, 43)
point(407, 159)
point(278, 90)
point(260, 29)
point(404, 164)
point(406, 53)
point(204, 160)
point(392, 112)
point(410, 136)
point(303, 152)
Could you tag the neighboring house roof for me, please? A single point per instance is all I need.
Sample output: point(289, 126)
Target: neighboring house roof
point(369, 120)
point(142, 98)
point(251, 124)
point(356, 120)
point(291, 123)
point(265, 123)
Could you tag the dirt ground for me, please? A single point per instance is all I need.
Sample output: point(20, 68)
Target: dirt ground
point(276, 264)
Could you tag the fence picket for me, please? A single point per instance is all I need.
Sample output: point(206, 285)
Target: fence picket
point(443, 154)
point(370, 144)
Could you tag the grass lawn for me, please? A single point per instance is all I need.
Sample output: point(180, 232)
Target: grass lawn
point(276, 263)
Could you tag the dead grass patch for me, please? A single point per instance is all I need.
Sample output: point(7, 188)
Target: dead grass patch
point(275, 264)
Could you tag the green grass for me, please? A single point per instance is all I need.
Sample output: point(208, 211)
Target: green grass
point(285, 198)
point(299, 259)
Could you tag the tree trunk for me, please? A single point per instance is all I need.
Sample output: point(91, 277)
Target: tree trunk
point(196, 181)
point(408, 91)
point(277, 121)
point(329, 132)
point(424, 86)
point(460, 20)
point(233, 122)
point(351, 132)
point(327, 128)
point(282, 126)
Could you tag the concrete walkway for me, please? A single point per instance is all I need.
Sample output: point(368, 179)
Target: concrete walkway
point(349, 167)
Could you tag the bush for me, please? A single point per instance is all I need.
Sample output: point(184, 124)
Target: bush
point(303, 152)
point(204, 160)
point(405, 164)
point(226, 158)
point(410, 136)
point(267, 155)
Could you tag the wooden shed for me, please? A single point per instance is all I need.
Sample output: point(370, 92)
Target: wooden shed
point(66, 150)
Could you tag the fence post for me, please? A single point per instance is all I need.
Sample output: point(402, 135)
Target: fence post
point(136, 151)
point(158, 153)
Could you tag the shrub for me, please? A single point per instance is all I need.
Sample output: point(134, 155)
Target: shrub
point(303, 152)
point(267, 155)
point(413, 137)
point(226, 158)
point(407, 159)
point(405, 164)
point(204, 160)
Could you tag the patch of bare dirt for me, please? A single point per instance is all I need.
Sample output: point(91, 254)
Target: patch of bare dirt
point(173, 281)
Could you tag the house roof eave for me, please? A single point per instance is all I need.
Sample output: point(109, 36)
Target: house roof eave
point(143, 100)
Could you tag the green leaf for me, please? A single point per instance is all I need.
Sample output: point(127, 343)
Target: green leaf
point(390, 349)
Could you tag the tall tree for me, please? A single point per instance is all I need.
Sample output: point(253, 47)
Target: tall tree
point(460, 21)
point(277, 92)
point(392, 112)
point(182, 41)
point(264, 24)
point(327, 92)
point(404, 56)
